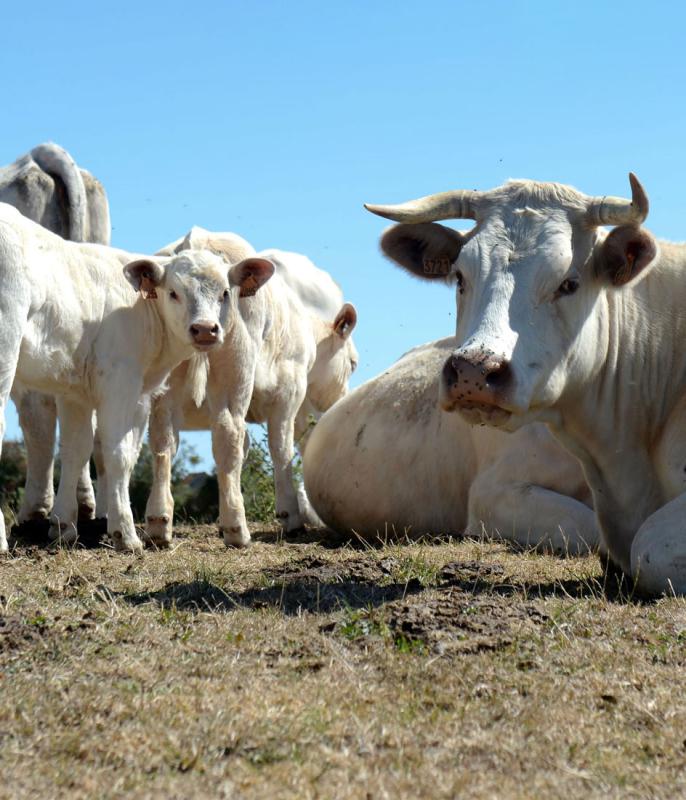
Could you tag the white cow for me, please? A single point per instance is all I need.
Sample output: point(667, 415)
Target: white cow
point(562, 322)
point(47, 186)
point(282, 360)
point(72, 324)
point(387, 460)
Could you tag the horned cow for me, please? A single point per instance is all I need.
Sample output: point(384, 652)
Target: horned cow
point(563, 322)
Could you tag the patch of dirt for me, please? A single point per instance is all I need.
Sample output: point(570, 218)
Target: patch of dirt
point(461, 622)
point(16, 633)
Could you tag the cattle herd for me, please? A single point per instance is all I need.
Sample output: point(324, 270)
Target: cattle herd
point(567, 369)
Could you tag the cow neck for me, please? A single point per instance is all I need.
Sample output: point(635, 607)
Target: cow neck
point(615, 424)
point(160, 352)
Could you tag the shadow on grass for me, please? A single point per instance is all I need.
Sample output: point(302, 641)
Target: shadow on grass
point(290, 597)
point(314, 585)
point(34, 533)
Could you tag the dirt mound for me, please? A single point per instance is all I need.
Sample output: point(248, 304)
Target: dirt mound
point(457, 621)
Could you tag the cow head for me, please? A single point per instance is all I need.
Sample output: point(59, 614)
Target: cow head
point(335, 361)
point(532, 279)
point(194, 291)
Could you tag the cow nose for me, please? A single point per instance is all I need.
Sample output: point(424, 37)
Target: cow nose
point(204, 332)
point(476, 380)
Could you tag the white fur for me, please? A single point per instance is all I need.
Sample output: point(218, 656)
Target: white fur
point(281, 362)
point(388, 460)
point(72, 325)
point(605, 367)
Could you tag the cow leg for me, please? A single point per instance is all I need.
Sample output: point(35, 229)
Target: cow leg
point(38, 421)
point(304, 425)
point(531, 516)
point(121, 422)
point(76, 444)
point(85, 494)
point(658, 551)
point(101, 472)
point(228, 435)
point(164, 442)
point(280, 427)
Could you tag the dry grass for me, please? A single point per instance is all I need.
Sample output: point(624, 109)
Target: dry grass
point(301, 669)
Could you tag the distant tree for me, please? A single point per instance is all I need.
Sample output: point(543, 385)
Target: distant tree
point(195, 493)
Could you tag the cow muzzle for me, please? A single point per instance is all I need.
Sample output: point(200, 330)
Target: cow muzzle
point(475, 385)
point(205, 335)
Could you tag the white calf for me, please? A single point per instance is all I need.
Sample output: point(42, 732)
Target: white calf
point(279, 362)
point(71, 325)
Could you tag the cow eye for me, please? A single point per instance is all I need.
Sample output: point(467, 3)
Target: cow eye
point(173, 295)
point(225, 294)
point(567, 287)
point(459, 280)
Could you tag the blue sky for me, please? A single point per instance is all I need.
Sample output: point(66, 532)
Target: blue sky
point(278, 120)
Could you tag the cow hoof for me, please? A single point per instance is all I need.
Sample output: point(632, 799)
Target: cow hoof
point(4, 548)
point(235, 537)
point(290, 522)
point(129, 544)
point(158, 531)
point(62, 533)
point(86, 512)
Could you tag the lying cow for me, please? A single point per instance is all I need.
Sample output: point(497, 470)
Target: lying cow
point(283, 359)
point(387, 460)
point(101, 329)
point(48, 187)
point(562, 322)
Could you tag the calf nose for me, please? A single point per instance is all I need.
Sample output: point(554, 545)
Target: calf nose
point(476, 379)
point(204, 332)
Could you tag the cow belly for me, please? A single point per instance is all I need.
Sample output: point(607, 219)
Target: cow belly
point(671, 453)
point(44, 367)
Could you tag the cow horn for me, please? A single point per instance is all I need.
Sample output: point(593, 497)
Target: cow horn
point(617, 210)
point(458, 204)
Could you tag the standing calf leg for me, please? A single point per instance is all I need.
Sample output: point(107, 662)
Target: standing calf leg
point(228, 433)
point(159, 511)
point(76, 445)
point(38, 421)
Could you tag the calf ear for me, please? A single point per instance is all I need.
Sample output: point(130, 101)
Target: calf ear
point(145, 276)
point(425, 249)
point(345, 321)
point(250, 274)
point(626, 251)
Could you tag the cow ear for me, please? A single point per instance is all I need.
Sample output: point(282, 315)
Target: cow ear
point(625, 253)
point(145, 276)
point(345, 321)
point(425, 249)
point(250, 274)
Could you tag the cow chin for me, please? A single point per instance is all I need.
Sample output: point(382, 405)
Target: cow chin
point(481, 414)
point(204, 347)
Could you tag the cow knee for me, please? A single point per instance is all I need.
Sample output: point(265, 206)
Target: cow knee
point(658, 561)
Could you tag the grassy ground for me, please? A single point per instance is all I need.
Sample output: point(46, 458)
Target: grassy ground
point(314, 668)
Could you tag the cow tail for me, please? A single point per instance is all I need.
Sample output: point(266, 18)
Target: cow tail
point(54, 160)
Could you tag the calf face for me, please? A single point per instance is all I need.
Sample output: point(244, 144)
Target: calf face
point(335, 361)
point(194, 291)
point(531, 281)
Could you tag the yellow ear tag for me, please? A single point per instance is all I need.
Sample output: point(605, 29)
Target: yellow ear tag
point(148, 288)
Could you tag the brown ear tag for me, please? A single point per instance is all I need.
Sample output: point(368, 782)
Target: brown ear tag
point(249, 286)
point(148, 288)
point(436, 266)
